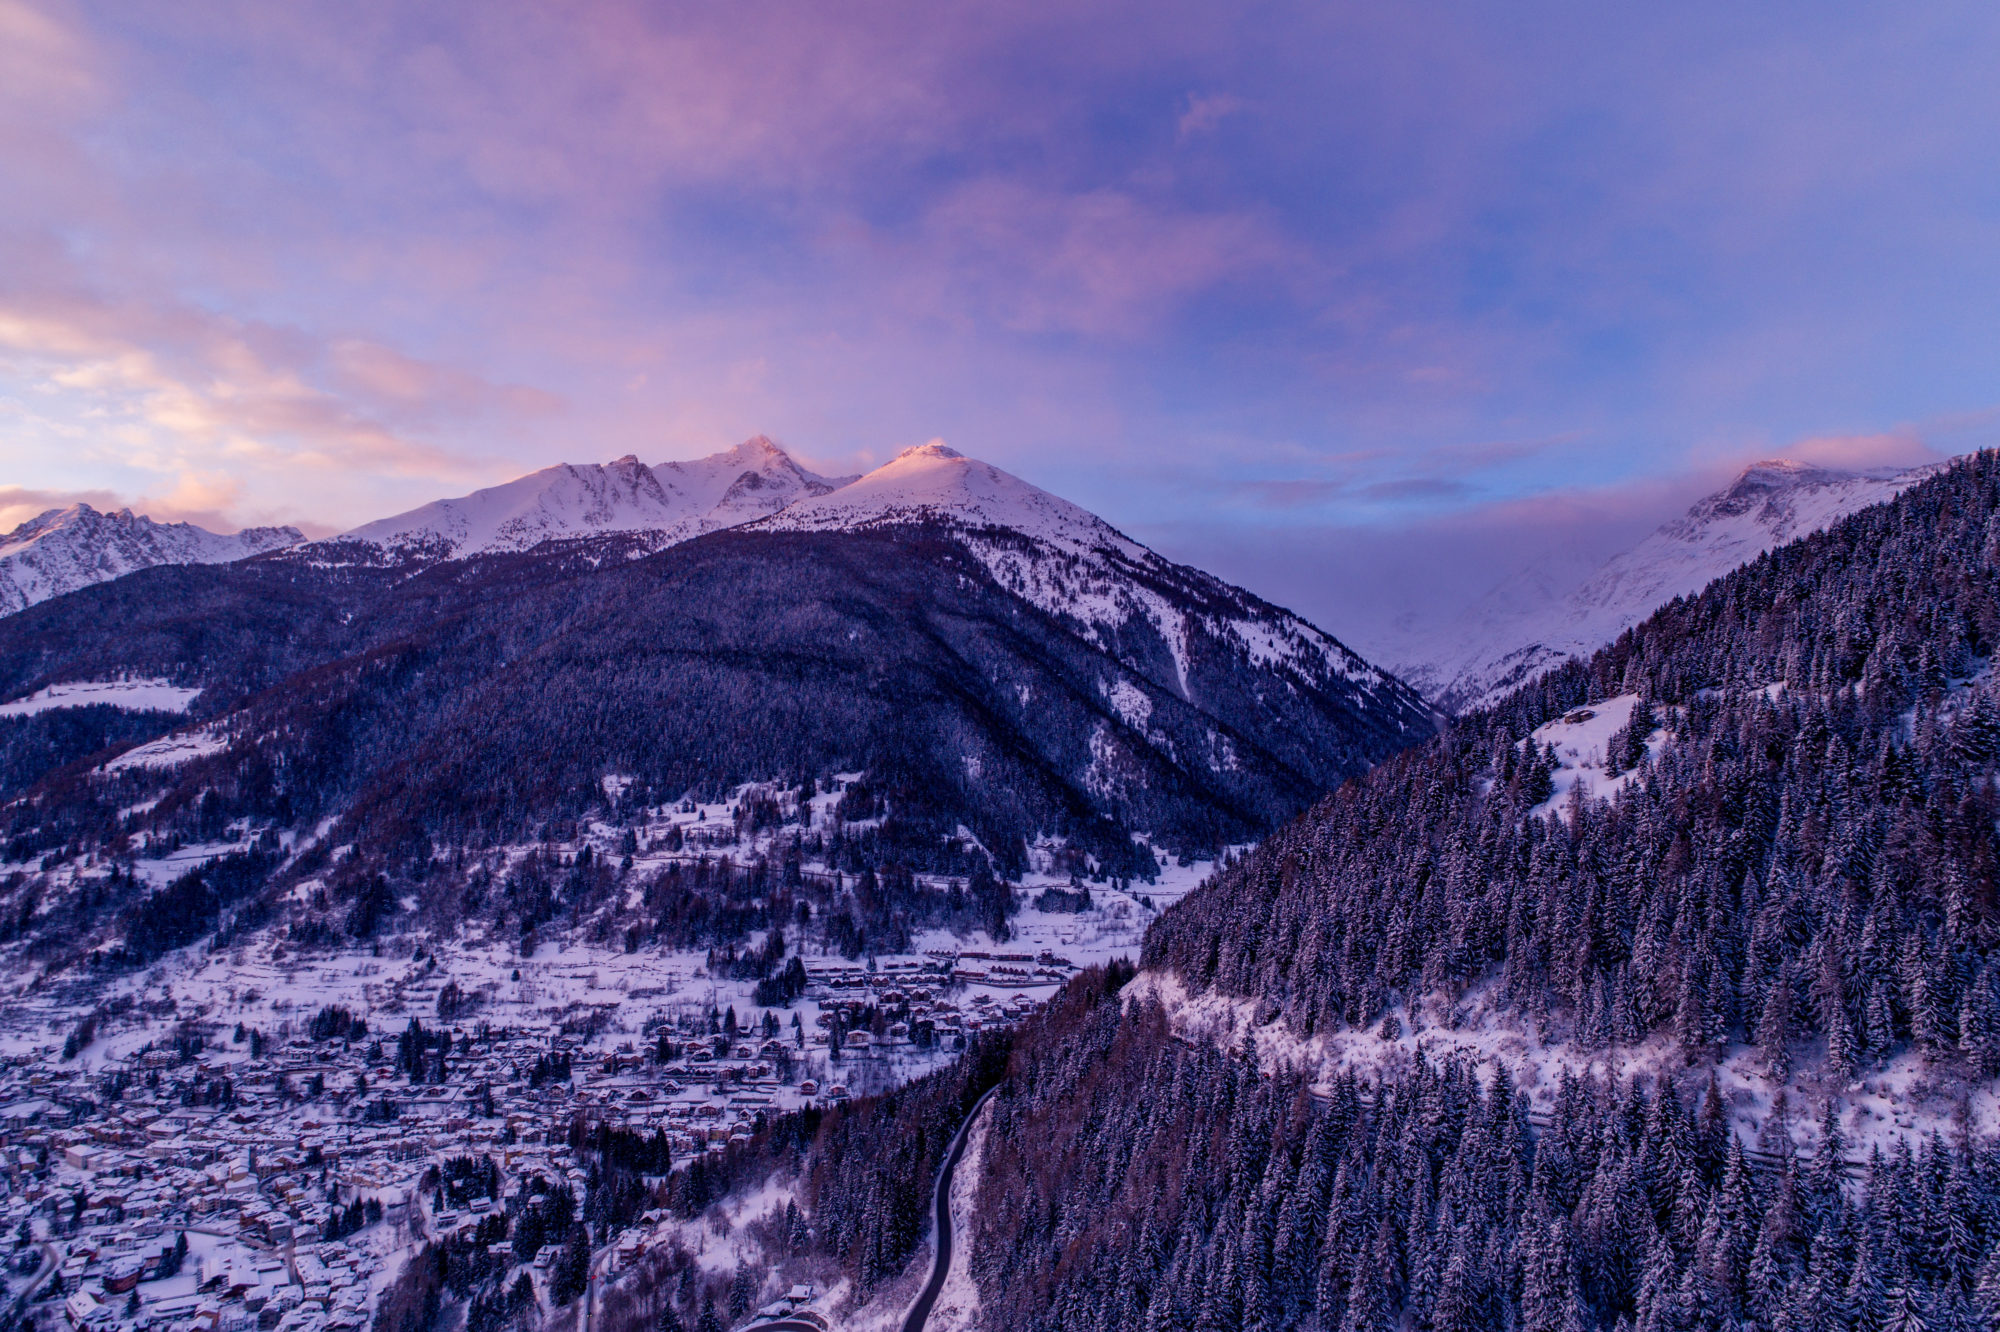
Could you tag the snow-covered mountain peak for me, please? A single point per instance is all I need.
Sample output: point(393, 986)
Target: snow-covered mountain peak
point(1077, 567)
point(1045, 549)
point(1521, 630)
point(663, 505)
point(935, 484)
point(64, 549)
point(756, 447)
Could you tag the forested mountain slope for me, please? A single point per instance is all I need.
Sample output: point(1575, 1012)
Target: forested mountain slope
point(473, 701)
point(1070, 563)
point(1224, 1197)
point(1810, 857)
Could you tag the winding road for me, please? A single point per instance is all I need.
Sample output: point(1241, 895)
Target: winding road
point(49, 1264)
point(941, 1212)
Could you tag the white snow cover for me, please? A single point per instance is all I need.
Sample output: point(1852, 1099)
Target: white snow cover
point(66, 549)
point(1535, 619)
point(1580, 738)
point(670, 503)
point(170, 751)
point(1897, 1102)
point(934, 482)
point(1073, 563)
point(132, 695)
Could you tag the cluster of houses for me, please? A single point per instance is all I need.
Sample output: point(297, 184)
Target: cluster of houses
point(293, 1175)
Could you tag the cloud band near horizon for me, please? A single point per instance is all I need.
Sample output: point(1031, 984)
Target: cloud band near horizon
point(1290, 269)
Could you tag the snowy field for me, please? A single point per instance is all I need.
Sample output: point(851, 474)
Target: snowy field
point(131, 695)
point(1581, 738)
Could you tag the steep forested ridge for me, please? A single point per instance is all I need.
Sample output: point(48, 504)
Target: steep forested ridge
point(1816, 862)
point(1221, 1198)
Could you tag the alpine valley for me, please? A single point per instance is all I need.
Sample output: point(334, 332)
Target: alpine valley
point(712, 894)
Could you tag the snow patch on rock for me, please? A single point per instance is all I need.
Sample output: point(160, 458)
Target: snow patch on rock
point(1126, 699)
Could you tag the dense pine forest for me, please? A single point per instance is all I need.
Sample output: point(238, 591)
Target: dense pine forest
point(1811, 867)
point(1220, 1198)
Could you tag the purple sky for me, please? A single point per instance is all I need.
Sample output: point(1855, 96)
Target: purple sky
point(1346, 301)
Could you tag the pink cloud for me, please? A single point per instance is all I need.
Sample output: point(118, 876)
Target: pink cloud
point(219, 420)
point(20, 503)
point(213, 502)
point(373, 372)
point(1896, 448)
point(1204, 112)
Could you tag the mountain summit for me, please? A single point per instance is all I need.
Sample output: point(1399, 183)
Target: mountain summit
point(1072, 564)
point(1057, 555)
point(934, 483)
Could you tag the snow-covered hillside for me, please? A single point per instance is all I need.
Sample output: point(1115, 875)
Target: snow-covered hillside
point(65, 549)
point(934, 483)
point(1074, 565)
point(1527, 624)
point(665, 504)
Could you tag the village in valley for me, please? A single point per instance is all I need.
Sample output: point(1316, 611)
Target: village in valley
point(262, 1135)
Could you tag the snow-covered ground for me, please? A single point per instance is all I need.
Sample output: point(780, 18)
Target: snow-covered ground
point(152, 695)
point(576, 986)
point(1900, 1100)
point(268, 984)
point(170, 751)
point(1581, 737)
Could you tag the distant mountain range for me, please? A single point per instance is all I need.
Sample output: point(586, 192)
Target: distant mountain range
point(1538, 618)
point(1003, 664)
point(65, 549)
point(1072, 563)
point(1057, 555)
